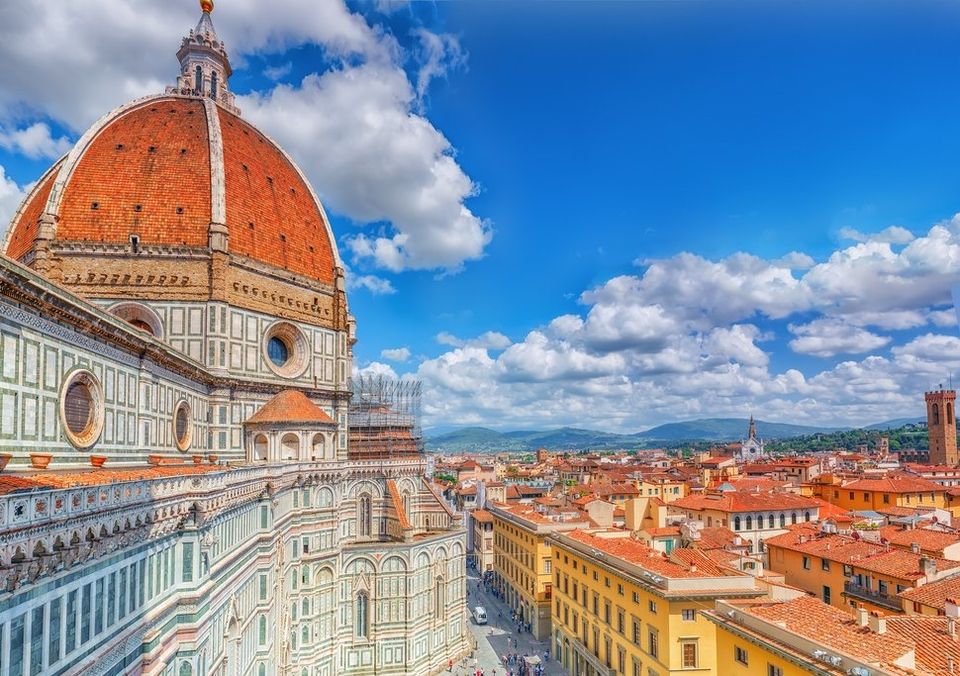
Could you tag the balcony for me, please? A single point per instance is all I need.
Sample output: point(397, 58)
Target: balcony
point(871, 596)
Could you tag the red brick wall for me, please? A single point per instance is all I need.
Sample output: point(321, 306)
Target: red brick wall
point(25, 230)
point(119, 171)
point(288, 229)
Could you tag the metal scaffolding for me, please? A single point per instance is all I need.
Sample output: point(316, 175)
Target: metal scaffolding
point(384, 417)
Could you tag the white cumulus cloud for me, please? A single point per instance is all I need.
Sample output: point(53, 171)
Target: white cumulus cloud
point(829, 337)
point(400, 354)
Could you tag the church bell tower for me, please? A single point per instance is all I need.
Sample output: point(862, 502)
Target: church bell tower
point(942, 426)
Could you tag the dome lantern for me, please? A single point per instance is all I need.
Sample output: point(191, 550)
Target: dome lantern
point(204, 64)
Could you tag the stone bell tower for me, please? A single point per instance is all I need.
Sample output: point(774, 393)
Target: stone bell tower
point(942, 426)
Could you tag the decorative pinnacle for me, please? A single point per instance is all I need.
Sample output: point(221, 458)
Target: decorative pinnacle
point(206, 6)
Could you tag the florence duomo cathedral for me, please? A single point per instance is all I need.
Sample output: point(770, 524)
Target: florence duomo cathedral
point(194, 484)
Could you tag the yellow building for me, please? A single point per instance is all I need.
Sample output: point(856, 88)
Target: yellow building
point(804, 635)
point(848, 573)
point(662, 486)
point(621, 608)
point(877, 494)
point(522, 562)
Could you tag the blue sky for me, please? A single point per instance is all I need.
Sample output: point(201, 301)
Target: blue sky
point(613, 163)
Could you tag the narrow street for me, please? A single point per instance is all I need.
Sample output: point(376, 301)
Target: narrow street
point(498, 637)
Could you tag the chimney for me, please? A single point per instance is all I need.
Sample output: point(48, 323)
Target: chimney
point(949, 664)
point(951, 608)
point(862, 615)
point(878, 625)
point(952, 627)
point(928, 566)
point(915, 547)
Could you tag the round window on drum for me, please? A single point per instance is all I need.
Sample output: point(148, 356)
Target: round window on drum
point(182, 427)
point(81, 408)
point(286, 349)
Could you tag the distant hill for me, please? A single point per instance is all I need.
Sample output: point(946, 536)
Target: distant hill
point(480, 439)
point(896, 423)
point(483, 439)
point(727, 429)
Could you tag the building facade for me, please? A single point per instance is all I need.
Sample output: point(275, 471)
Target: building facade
point(180, 494)
point(620, 608)
point(522, 561)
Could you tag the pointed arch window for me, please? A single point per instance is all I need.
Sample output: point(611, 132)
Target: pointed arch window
point(198, 81)
point(363, 615)
point(439, 599)
point(949, 413)
point(783, 520)
point(936, 414)
point(749, 522)
point(736, 523)
point(213, 85)
point(364, 517)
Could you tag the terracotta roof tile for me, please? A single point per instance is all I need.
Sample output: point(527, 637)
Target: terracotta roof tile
point(832, 627)
point(932, 541)
point(483, 516)
point(733, 501)
point(895, 483)
point(937, 651)
point(870, 556)
point(398, 504)
point(633, 551)
point(936, 593)
point(95, 477)
point(289, 406)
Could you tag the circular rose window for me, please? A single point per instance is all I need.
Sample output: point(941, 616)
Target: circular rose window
point(81, 408)
point(286, 350)
point(182, 429)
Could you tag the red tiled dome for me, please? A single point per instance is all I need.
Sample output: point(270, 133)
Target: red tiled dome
point(165, 168)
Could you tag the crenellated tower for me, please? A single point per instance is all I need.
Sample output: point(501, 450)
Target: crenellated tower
point(942, 426)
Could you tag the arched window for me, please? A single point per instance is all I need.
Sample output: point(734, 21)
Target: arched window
point(364, 517)
point(936, 414)
point(213, 85)
point(305, 635)
point(319, 451)
point(949, 413)
point(260, 447)
point(305, 607)
point(262, 629)
point(198, 81)
point(362, 615)
point(290, 447)
point(186, 669)
point(806, 516)
point(793, 518)
point(439, 599)
point(783, 520)
point(749, 522)
point(770, 521)
point(262, 669)
point(736, 523)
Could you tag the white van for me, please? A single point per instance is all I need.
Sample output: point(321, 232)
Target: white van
point(479, 615)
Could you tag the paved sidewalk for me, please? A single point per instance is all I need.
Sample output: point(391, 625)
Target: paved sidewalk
point(498, 637)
